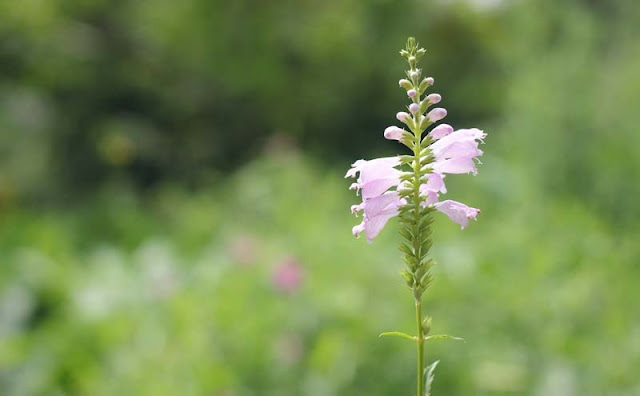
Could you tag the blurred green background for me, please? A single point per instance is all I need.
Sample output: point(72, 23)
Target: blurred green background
point(174, 218)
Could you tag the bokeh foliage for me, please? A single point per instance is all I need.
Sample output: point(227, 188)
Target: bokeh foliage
point(159, 159)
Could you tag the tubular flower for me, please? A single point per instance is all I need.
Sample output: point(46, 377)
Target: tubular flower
point(458, 212)
point(377, 211)
point(376, 176)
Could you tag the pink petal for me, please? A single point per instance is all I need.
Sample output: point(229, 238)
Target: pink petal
point(377, 205)
point(458, 212)
point(432, 198)
point(379, 168)
point(376, 187)
point(437, 114)
point(377, 212)
point(435, 182)
point(441, 131)
point(455, 166)
point(456, 149)
point(357, 230)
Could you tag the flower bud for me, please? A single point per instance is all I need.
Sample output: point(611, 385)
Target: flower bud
point(406, 84)
point(414, 108)
point(408, 278)
point(441, 131)
point(414, 74)
point(425, 83)
point(426, 325)
point(403, 117)
point(412, 93)
point(437, 114)
point(393, 133)
point(433, 98)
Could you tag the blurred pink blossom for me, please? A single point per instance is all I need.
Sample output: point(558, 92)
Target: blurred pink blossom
point(287, 276)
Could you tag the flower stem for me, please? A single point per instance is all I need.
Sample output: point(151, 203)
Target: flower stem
point(420, 344)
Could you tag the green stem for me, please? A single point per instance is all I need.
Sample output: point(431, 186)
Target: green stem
point(420, 343)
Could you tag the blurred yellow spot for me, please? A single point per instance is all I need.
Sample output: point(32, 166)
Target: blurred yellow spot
point(117, 149)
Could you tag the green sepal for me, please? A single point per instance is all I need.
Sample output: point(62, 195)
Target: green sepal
point(404, 248)
point(426, 141)
point(424, 124)
point(408, 177)
point(405, 234)
point(397, 334)
point(408, 278)
point(443, 337)
point(423, 86)
point(429, 374)
point(406, 159)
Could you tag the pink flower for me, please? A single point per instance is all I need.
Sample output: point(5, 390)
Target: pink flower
point(458, 212)
point(376, 176)
point(455, 166)
point(393, 133)
point(455, 151)
point(403, 117)
point(433, 98)
point(377, 211)
point(437, 114)
point(287, 276)
point(441, 131)
point(460, 136)
point(432, 188)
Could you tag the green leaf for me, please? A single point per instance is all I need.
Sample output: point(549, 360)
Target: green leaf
point(443, 337)
point(429, 377)
point(397, 334)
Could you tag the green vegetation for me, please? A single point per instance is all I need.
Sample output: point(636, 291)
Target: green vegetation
point(160, 161)
point(177, 297)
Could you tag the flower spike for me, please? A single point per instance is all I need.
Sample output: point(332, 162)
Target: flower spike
point(410, 186)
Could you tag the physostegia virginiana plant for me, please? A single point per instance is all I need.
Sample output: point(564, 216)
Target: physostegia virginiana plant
point(409, 186)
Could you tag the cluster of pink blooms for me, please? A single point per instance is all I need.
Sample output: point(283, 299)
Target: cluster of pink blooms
point(379, 180)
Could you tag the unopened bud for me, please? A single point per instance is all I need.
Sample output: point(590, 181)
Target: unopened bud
point(421, 52)
point(412, 59)
point(393, 133)
point(414, 74)
point(433, 98)
point(441, 131)
point(406, 84)
point(425, 83)
point(426, 325)
point(414, 108)
point(403, 117)
point(412, 93)
point(408, 278)
point(437, 114)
